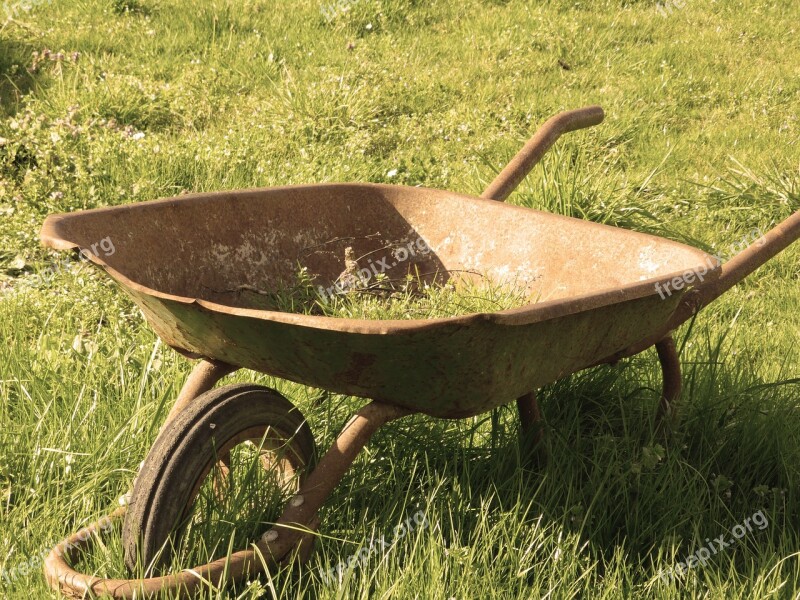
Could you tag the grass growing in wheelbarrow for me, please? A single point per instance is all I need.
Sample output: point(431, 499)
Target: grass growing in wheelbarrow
point(386, 298)
point(700, 144)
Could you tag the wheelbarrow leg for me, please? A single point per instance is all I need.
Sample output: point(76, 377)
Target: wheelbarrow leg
point(532, 426)
point(530, 417)
point(204, 376)
point(302, 508)
point(671, 372)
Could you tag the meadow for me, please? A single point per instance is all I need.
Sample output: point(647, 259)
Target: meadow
point(104, 102)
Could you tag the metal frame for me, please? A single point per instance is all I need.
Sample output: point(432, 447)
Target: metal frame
point(203, 377)
point(530, 415)
point(672, 383)
point(293, 531)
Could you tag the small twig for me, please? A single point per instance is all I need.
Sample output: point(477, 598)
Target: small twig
point(239, 290)
point(250, 288)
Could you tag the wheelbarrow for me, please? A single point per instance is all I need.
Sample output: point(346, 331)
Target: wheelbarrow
point(192, 264)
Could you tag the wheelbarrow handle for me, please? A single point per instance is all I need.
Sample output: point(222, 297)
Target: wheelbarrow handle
point(748, 260)
point(516, 170)
point(732, 272)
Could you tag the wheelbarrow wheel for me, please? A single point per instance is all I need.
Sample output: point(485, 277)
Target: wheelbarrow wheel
point(216, 477)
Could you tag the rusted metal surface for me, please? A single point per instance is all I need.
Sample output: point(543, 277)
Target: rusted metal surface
point(750, 259)
point(530, 416)
point(203, 377)
point(190, 263)
point(516, 170)
point(671, 374)
point(292, 532)
point(62, 577)
point(332, 467)
point(732, 272)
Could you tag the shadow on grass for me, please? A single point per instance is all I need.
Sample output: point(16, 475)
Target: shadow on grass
point(610, 480)
point(611, 490)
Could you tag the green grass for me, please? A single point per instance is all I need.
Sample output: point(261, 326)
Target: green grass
point(383, 297)
point(700, 145)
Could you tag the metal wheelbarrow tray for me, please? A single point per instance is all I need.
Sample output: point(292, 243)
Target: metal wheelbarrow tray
point(599, 294)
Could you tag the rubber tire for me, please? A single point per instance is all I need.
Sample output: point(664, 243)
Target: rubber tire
point(185, 449)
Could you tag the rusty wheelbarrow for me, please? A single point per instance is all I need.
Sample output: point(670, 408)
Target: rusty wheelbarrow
point(599, 294)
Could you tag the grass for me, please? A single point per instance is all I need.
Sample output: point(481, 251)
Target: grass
point(385, 297)
point(700, 145)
